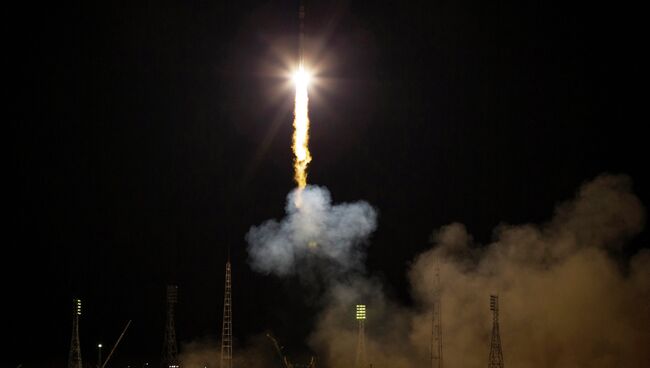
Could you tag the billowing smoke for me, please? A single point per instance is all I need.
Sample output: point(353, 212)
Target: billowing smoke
point(314, 229)
point(571, 294)
point(200, 353)
point(255, 352)
point(568, 296)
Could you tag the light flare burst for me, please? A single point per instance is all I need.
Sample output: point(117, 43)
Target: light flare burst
point(302, 157)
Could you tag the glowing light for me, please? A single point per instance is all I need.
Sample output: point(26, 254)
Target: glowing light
point(301, 78)
point(302, 157)
point(361, 311)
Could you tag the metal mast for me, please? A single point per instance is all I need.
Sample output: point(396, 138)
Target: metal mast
point(226, 331)
point(74, 359)
point(170, 349)
point(496, 355)
point(117, 343)
point(361, 360)
point(436, 321)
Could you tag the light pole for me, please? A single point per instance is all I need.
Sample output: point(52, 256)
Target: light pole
point(99, 355)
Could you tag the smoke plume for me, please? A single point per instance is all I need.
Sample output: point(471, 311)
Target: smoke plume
point(570, 293)
point(316, 229)
point(568, 297)
point(255, 352)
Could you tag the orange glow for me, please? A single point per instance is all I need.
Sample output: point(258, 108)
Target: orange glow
point(302, 157)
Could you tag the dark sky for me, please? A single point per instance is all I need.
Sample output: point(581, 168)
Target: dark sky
point(148, 136)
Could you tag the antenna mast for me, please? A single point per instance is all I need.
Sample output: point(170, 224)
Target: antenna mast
point(436, 321)
point(226, 331)
point(496, 355)
point(170, 349)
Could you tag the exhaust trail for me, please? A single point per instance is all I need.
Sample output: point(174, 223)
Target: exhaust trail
point(300, 146)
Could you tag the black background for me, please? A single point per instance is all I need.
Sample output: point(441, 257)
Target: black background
point(147, 137)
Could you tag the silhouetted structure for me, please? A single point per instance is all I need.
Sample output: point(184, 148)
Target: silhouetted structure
point(496, 355)
point(361, 360)
point(226, 330)
point(285, 360)
point(103, 365)
point(436, 321)
point(74, 358)
point(170, 348)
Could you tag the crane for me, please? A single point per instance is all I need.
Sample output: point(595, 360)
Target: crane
point(278, 348)
point(285, 360)
point(116, 343)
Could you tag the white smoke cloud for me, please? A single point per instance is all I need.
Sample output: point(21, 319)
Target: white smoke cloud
point(334, 233)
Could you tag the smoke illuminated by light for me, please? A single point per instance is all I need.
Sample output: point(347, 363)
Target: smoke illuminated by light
point(301, 127)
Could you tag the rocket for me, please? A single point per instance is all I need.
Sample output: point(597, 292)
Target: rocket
point(301, 35)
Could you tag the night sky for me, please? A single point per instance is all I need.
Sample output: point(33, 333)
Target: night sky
point(147, 137)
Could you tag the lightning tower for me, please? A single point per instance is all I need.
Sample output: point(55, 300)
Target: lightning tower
point(226, 331)
point(361, 361)
point(74, 359)
point(170, 349)
point(436, 321)
point(496, 355)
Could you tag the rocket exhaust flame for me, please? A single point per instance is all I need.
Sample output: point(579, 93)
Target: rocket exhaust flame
point(302, 157)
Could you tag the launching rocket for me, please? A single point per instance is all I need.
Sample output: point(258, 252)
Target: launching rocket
point(301, 36)
point(301, 115)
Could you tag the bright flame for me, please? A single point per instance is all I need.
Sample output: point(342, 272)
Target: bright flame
point(301, 128)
